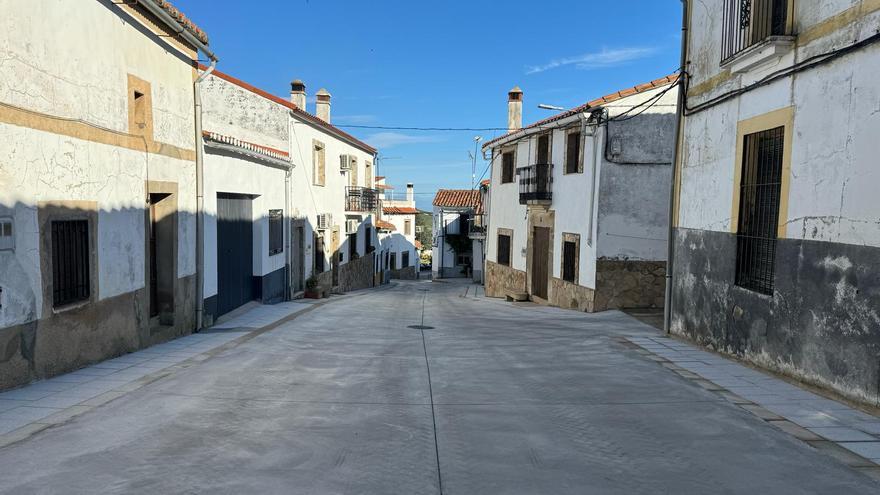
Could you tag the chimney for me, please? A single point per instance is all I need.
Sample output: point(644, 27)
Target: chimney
point(514, 109)
point(298, 94)
point(322, 105)
point(410, 195)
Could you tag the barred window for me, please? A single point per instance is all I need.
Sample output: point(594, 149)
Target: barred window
point(508, 159)
point(759, 198)
point(748, 22)
point(503, 256)
point(70, 262)
point(276, 231)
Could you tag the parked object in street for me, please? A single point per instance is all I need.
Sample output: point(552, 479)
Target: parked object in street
point(777, 238)
point(579, 202)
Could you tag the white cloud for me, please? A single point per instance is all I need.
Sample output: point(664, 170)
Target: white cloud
point(391, 139)
point(595, 60)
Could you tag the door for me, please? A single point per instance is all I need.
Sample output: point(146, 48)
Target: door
point(235, 248)
point(540, 261)
point(299, 256)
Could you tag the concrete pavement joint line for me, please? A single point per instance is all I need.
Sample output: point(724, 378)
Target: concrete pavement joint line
point(76, 410)
point(431, 395)
point(798, 425)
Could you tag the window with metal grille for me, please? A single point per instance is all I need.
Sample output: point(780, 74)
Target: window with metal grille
point(569, 261)
point(404, 259)
point(759, 197)
point(749, 22)
point(503, 255)
point(572, 152)
point(276, 231)
point(508, 160)
point(70, 262)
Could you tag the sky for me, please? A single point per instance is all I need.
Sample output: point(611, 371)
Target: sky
point(440, 64)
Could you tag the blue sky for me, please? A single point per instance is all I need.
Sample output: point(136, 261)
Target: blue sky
point(440, 64)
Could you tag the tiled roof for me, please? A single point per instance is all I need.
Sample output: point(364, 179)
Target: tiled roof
point(485, 182)
point(457, 198)
point(256, 148)
point(383, 225)
point(418, 244)
point(183, 20)
point(380, 177)
point(298, 111)
point(383, 186)
point(598, 102)
point(399, 210)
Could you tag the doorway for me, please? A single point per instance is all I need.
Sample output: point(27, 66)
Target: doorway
point(162, 230)
point(235, 248)
point(540, 261)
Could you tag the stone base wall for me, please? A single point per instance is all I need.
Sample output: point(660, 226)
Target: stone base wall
point(629, 284)
point(357, 274)
point(408, 273)
point(68, 340)
point(500, 279)
point(570, 296)
point(820, 325)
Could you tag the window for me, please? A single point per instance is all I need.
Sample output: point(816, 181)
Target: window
point(749, 22)
point(319, 253)
point(405, 259)
point(759, 202)
point(543, 153)
point(573, 152)
point(353, 172)
point(6, 239)
point(368, 239)
point(570, 252)
point(508, 163)
point(70, 262)
point(276, 231)
point(319, 164)
point(407, 227)
point(368, 174)
point(503, 256)
point(463, 260)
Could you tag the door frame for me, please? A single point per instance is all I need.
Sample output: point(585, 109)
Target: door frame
point(540, 216)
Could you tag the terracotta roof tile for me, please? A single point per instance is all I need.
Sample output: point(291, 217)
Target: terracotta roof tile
point(399, 210)
point(183, 20)
point(383, 186)
point(257, 148)
point(418, 244)
point(383, 225)
point(458, 198)
point(641, 88)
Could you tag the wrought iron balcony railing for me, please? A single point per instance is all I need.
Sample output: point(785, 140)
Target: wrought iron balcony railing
point(361, 198)
point(749, 22)
point(535, 183)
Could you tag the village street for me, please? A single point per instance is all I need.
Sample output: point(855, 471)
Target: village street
point(490, 397)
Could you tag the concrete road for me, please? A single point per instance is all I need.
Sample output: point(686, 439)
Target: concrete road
point(494, 398)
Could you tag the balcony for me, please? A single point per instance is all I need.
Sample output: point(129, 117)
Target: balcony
point(477, 227)
point(535, 184)
point(361, 199)
point(753, 28)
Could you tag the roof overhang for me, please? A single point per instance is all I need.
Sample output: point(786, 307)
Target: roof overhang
point(252, 155)
point(538, 129)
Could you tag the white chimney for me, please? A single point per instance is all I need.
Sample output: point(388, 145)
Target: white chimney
point(410, 195)
point(322, 105)
point(514, 109)
point(298, 94)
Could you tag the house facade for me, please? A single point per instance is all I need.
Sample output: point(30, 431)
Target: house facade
point(97, 182)
point(247, 196)
point(399, 241)
point(777, 238)
point(579, 202)
point(458, 235)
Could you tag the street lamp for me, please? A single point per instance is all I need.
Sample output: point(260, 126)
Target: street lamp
point(544, 106)
point(477, 140)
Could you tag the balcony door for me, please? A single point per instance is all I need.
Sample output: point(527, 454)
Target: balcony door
point(543, 154)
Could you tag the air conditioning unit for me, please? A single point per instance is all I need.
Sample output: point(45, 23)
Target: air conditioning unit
point(345, 162)
point(351, 226)
point(325, 221)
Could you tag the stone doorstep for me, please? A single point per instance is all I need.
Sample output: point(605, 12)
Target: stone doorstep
point(71, 412)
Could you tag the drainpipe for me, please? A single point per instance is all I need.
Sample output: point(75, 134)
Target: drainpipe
point(593, 168)
point(682, 99)
point(288, 291)
point(190, 38)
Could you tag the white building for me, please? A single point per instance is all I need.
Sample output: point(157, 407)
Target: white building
point(579, 202)
point(458, 234)
point(246, 195)
point(98, 163)
point(401, 257)
point(777, 236)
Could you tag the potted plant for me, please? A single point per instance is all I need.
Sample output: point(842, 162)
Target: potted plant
point(312, 291)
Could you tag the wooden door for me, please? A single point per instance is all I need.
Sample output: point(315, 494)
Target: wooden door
point(540, 261)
